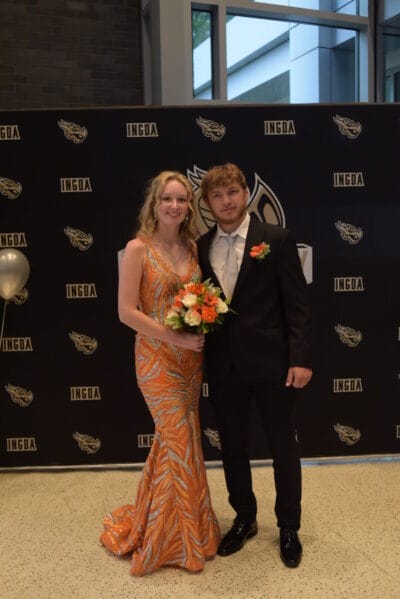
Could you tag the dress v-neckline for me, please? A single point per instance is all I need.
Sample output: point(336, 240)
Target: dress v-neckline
point(165, 264)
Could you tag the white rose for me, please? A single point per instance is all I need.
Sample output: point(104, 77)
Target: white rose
point(172, 314)
point(173, 320)
point(221, 306)
point(189, 300)
point(192, 318)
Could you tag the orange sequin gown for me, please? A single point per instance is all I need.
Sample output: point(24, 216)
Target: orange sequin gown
point(172, 522)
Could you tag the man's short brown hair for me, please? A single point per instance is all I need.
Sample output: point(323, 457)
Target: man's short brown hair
point(222, 176)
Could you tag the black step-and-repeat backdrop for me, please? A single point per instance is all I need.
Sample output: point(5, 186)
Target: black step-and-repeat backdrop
point(71, 182)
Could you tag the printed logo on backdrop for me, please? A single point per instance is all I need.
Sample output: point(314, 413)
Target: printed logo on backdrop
point(211, 129)
point(347, 434)
point(9, 133)
point(85, 393)
point(347, 385)
point(87, 443)
point(14, 240)
point(79, 239)
point(349, 233)
point(141, 129)
point(213, 437)
point(348, 179)
point(10, 189)
point(306, 259)
point(83, 343)
point(120, 253)
point(75, 185)
point(18, 444)
point(80, 290)
point(279, 128)
point(16, 344)
point(72, 131)
point(263, 203)
point(22, 397)
point(351, 129)
point(20, 297)
point(344, 284)
point(145, 440)
point(348, 336)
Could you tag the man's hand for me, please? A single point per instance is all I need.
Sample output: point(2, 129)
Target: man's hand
point(298, 377)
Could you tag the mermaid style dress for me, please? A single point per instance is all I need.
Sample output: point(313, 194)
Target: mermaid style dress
point(172, 522)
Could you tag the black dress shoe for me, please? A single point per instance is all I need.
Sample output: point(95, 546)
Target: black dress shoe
point(237, 536)
point(291, 549)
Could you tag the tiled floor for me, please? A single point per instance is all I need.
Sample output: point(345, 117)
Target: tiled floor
point(50, 523)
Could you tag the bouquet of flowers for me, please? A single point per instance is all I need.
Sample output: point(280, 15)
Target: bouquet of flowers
point(197, 308)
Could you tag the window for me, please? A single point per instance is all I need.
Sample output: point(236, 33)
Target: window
point(289, 62)
point(389, 55)
point(283, 51)
point(202, 49)
point(272, 61)
point(350, 7)
point(391, 45)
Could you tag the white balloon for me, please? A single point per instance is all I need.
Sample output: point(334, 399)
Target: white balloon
point(14, 272)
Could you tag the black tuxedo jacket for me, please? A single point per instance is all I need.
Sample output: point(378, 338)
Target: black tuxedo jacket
point(270, 327)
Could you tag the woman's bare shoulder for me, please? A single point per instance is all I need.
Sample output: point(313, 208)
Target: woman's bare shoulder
point(135, 246)
point(134, 251)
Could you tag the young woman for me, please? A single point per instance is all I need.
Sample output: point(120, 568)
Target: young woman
point(172, 521)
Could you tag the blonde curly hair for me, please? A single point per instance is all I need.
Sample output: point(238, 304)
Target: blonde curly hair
point(147, 216)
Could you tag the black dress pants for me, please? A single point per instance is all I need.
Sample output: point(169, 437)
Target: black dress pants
point(232, 398)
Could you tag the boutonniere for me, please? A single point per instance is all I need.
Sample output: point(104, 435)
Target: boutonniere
point(260, 251)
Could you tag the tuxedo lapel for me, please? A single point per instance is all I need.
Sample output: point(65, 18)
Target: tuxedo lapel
point(207, 268)
point(255, 236)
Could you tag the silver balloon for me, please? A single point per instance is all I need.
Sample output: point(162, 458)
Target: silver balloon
point(14, 272)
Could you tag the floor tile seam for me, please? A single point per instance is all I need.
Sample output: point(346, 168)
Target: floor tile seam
point(395, 579)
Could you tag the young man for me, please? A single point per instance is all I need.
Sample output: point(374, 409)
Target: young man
point(261, 353)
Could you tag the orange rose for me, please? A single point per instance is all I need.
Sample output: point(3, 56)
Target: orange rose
point(260, 251)
point(196, 288)
point(208, 314)
point(210, 299)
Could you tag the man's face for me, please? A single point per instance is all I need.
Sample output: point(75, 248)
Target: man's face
point(228, 205)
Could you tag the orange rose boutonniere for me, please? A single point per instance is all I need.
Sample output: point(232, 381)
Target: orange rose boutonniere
point(260, 251)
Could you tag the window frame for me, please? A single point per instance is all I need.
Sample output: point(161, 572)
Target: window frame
point(168, 76)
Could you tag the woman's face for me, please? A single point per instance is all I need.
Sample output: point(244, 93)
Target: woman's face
point(173, 204)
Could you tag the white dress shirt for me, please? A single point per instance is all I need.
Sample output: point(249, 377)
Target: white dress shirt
point(218, 248)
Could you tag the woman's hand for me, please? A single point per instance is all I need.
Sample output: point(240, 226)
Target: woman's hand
point(193, 341)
